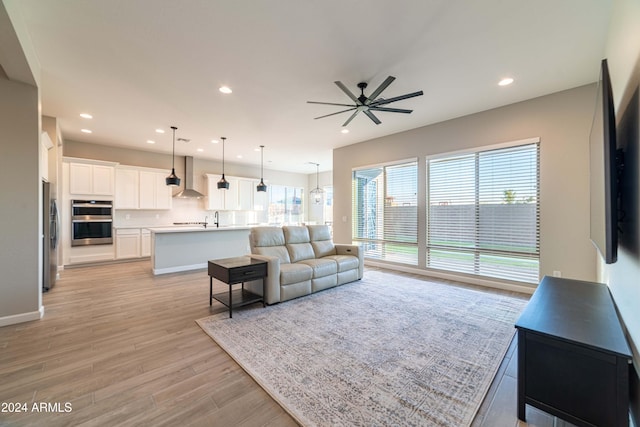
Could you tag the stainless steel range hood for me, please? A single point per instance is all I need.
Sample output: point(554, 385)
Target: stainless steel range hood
point(188, 192)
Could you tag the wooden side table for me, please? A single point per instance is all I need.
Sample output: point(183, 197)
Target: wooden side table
point(236, 270)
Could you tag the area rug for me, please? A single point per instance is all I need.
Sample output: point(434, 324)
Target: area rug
point(386, 350)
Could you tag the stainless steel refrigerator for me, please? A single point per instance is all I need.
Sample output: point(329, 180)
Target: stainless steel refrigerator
point(50, 229)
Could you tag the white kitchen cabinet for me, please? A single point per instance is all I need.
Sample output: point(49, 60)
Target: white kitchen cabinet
point(164, 194)
point(91, 179)
point(145, 243)
point(147, 190)
point(142, 188)
point(245, 192)
point(215, 197)
point(127, 188)
point(128, 243)
point(231, 199)
point(239, 196)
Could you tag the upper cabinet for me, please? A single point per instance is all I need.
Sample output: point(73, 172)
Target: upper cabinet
point(91, 179)
point(241, 195)
point(142, 188)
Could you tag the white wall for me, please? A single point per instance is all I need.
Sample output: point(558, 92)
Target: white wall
point(20, 210)
point(20, 185)
point(623, 277)
point(561, 120)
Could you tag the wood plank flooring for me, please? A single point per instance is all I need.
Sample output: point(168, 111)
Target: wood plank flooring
point(119, 346)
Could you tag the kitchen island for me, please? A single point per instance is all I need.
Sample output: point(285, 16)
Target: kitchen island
point(175, 249)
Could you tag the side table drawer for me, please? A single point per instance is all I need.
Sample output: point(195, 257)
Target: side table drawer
point(246, 273)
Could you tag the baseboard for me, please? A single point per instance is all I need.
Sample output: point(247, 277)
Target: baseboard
point(507, 286)
point(157, 271)
point(22, 317)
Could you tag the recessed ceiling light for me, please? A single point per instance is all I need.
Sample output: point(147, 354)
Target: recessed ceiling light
point(239, 156)
point(150, 141)
point(505, 82)
point(225, 89)
point(345, 131)
point(85, 130)
point(256, 149)
point(200, 150)
point(86, 116)
point(159, 130)
point(214, 141)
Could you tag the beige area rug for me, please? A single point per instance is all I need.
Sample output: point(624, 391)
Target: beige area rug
point(387, 350)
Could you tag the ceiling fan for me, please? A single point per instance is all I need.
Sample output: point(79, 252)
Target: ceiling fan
point(368, 104)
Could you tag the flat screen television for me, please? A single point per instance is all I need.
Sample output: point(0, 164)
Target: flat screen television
point(603, 171)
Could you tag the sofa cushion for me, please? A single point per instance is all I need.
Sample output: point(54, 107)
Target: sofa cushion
point(321, 242)
point(321, 267)
point(266, 236)
point(294, 273)
point(345, 262)
point(300, 251)
point(323, 248)
point(296, 234)
point(279, 252)
point(319, 232)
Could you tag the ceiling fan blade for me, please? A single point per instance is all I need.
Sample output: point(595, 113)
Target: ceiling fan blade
point(351, 118)
point(348, 92)
point(333, 114)
point(330, 103)
point(372, 117)
point(397, 98)
point(391, 110)
point(380, 88)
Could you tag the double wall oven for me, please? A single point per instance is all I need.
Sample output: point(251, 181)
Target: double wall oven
point(91, 222)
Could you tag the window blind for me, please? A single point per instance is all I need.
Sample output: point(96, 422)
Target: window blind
point(483, 213)
point(385, 212)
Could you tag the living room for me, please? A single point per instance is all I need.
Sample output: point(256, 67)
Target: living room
point(560, 120)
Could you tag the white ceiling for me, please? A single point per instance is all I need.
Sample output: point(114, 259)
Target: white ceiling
point(138, 65)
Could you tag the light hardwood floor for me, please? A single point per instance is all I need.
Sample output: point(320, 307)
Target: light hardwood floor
point(121, 347)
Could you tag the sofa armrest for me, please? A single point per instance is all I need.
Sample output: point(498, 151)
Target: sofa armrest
point(355, 250)
point(271, 282)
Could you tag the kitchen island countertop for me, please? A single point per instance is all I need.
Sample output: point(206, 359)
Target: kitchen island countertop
point(195, 228)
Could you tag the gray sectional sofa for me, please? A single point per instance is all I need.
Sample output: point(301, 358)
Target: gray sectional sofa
point(302, 260)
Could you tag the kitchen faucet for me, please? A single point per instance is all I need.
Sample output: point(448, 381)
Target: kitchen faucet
point(205, 221)
point(217, 219)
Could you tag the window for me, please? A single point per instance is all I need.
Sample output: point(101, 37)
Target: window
point(285, 205)
point(483, 213)
point(385, 212)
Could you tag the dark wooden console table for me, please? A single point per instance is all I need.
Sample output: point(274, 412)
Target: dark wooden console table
point(236, 270)
point(573, 358)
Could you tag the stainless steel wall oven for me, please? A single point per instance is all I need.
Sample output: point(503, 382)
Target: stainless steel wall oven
point(91, 222)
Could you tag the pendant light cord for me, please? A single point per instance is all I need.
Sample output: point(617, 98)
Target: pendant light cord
point(173, 153)
point(223, 139)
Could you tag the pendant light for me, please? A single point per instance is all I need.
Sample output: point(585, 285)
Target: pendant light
point(317, 193)
point(173, 178)
point(223, 184)
point(262, 186)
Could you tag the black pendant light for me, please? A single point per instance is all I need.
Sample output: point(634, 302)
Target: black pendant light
point(223, 184)
point(173, 178)
point(262, 186)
